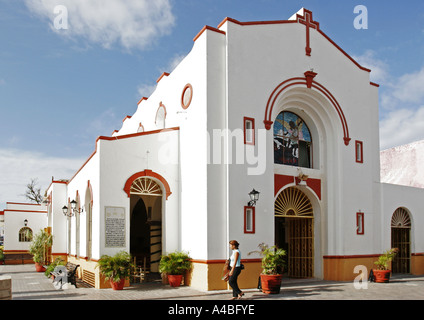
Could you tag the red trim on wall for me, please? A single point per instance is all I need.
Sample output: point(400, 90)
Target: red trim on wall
point(309, 22)
point(126, 118)
point(147, 173)
point(253, 23)
point(359, 158)
point(280, 181)
point(208, 28)
point(127, 136)
point(314, 85)
point(374, 84)
point(165, 74)
point(91, 192)
point(141, 100)
point(187, 86)
point(253, 131)
point(353, 256)
point(253, 220)
point(360, 223)
point(26, 211)
point(24, 204)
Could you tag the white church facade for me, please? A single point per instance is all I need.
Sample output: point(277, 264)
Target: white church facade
point(274, 106)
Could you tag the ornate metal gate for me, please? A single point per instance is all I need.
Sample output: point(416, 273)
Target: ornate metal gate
point(293, 205)
point(401, 239)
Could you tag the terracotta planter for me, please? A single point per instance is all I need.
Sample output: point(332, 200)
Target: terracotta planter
point(39, 267)
point(381, 276)
point(117, 285)
point(175, 279)
point(271, 283)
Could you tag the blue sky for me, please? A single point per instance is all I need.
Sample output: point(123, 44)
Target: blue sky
point(61, 89)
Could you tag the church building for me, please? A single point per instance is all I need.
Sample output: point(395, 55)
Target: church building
point(275, 107)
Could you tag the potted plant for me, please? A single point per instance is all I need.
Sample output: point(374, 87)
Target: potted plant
point(273, 263)
point(174, 265)
point(1, 255)
point(40, 244)
point(116, 268)
point(382, 273)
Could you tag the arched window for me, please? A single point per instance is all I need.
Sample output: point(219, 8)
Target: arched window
point(292, 141)
point(25, 235)
point(160, 117)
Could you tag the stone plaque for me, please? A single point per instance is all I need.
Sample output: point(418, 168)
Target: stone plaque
point(115, 227)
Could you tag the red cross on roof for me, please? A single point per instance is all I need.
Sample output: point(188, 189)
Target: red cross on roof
point(307, 20)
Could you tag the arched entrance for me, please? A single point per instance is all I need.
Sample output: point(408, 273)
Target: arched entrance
point(401, 239)
point(294, 231)
point(146, 223)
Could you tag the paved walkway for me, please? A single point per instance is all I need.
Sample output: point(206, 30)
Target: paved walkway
point(30, 285)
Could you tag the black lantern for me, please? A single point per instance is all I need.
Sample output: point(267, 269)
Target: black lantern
point(254, 196)
point(74, 210)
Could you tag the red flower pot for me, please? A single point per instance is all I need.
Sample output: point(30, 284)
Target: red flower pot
point(271, 283)
point(39, 267)
point(381, 276)
point(175, 279)
point(117, 285)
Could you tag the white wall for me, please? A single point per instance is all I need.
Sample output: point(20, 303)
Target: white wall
point(409, 198)
point(14, 216)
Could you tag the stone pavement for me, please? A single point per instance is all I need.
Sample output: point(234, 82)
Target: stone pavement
point(30, 285)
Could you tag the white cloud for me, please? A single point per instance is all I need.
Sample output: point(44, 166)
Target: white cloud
point(379, 69)
point(145, 90)
point(18, 167)
point(402, 106)
point(401, 126)
point(133, 24)
point(410, 87)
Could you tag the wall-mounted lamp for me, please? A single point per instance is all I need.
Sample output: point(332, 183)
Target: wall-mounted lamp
point(73, 211)
point(254, 196)
point(25, 222)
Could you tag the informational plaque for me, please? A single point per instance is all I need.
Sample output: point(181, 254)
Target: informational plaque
point(115, 227)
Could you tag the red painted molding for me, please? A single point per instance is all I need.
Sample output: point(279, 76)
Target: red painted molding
point(208, 28)
point(187, 87)
point(147, 173)
point(310, 75)
point(309, 22)
point(128, 136)
point(374, 84)
point(222, 261)
point(280, 181)
point(252, 120)
point(25, 204)
point(165, 74)
point(418, 254)
point(253, 23)
point(141, 100)
point(279, 90)
point(353, 256)
point(26, 211)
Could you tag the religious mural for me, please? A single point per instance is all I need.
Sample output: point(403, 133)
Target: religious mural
point(292, 141)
